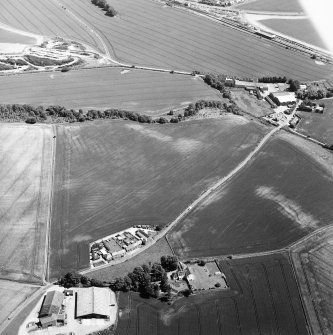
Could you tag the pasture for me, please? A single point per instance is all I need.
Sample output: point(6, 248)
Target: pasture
point(263, 299)
point(279, 198)
point(272, 6)
point(11, 296)
point(301, 29)
point(25, 184)
point(314, 268)
point(318, 126)
point(138, 90)
point(111, 175)
point(170, 38)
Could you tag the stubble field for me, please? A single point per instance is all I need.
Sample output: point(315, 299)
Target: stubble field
point(11, 296)
point(112, 175)
point(282, 196)
point(166, 37)
point(263, 299)
point(318, 126)
point(139, 91)
point(25, 184)
point(301, 29)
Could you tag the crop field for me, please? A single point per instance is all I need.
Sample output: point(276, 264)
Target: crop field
point(273, 6)
point(282, 196)
point(263, 299)
point(112, 175)
point(47, 18)
point(301, 29)
point(313, 261)
point(11, 296)
point(139, 91)
point(318, 126)
point(9, 37)
point(167, 37)
point(25, 183)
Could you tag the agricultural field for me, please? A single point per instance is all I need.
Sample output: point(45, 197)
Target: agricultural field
point(318, 126)
point(166, 37)
point(46, 18)
point(263, 299)
point(301, 29)
point(138, 90)
point(279, 198)
point(114, 174)
point(272, 6)
point(313, 261)
point(11, 296)
point(10, 37)
point(153, 254)
point(25, 182)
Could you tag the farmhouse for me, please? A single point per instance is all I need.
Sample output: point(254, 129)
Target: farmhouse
point(94, 303)
point(49, 313)
point(283, 98)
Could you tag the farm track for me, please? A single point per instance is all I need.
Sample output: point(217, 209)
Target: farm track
point(203, 196)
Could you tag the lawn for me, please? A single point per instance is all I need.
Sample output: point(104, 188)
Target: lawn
point(141, 91)
point(114, 174)
point(263, 299)
point(272, 6)
point(25, 179)
point(301, 29)
point(11, 296)
point(282, 196)
point(148, 33)
point(318, 126)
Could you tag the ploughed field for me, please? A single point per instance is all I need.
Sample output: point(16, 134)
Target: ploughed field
point(112, 175)
point(10, 37)
point(301, 29)
point(139, 91)
point(148, 33)
point(313, 260)
point(11, 296)
point(25, 184)
point(282, 196)
point(273, 6)
point(263, 299)
point(318, 126)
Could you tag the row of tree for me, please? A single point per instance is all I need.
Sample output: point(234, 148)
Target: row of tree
point(273, 80)
point(109, 10)
point(315, 94)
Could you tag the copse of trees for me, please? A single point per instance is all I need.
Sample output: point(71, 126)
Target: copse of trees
point(74, 279)
point(109, 10)
point(148, 280)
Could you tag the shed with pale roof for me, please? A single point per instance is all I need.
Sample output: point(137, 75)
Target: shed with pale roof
point(94, 302)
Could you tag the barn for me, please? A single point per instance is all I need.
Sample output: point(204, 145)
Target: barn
point(94, 303)
point(49, 313)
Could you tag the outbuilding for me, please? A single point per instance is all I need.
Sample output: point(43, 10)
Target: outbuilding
point(283, 98)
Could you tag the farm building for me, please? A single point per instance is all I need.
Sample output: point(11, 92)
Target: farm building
point(250, 85)
point(113, 248)
point(283, 98)
point(142, 235)
point(49, 313)
point(94, 303)
point(133, 245)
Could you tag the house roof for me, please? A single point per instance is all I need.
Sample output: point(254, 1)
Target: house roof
point(284, 96)
point(51, 304)
point(93, 300)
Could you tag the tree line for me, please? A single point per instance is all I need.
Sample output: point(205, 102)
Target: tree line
point(148, 279)
point(109, 10)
